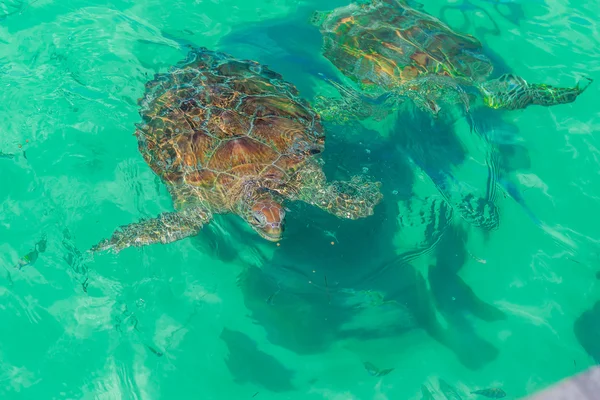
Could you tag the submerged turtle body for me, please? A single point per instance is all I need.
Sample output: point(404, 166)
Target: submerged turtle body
point(217, 121)
point(231, 136)
point(384, 45)
point(387, 46)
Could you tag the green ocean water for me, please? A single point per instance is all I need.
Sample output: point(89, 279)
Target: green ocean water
point(227, 315)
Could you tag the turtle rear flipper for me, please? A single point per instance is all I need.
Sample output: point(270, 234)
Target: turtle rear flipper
point(166, 228)
point(511, 92)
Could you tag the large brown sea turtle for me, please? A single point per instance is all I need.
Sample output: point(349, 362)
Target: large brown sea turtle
point(231, 136)
point(393, 51)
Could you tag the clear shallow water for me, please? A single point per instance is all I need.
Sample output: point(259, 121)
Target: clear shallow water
point(225, 315)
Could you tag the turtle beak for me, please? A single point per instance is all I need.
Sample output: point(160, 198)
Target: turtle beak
point(272, 233)
point(267, 219)
point(273, 229)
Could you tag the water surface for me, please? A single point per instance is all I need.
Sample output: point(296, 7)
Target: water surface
point(226, 315)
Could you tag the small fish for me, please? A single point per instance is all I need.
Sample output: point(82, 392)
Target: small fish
point(492, 393)
point(331, 234)
point(371, 369)
point(155, 351)
point(384, 372)
point(374, 371)
point(31, 257)
point(28, 259)
point(6, 155)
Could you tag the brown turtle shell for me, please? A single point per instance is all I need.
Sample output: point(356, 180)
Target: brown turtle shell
point(386, 43)
point(213, 120)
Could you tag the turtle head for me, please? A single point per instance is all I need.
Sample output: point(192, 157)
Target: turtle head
point(318, 17)
point(266, 216)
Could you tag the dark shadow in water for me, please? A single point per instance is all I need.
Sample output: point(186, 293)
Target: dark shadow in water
point(476, 17)
point(511, 153)
point(431, 143)
point(291, 46)
point(227, 237)
point(482, 25)
point(311, 291)
point(436, 148)
point(309, 294)
point(455, 299)
point(304, 310)
point(247, 363)
point(587, 331)
point(500, 68)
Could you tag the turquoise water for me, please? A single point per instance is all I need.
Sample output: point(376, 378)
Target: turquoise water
point(227, 315)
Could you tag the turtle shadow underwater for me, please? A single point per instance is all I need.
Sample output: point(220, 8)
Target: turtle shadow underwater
point(333, 279)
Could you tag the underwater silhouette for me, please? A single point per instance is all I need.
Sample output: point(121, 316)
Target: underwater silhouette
point(247, 363)
point(587, 331)
point(329, 274)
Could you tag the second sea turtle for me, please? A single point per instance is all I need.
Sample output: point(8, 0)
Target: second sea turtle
point(392, 51)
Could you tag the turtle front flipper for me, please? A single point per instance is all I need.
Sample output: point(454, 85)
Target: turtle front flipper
point(353, 105)
point(166, 228)
point(345, 199)
point(336, 110)
point(511, 92)
point(348, 199)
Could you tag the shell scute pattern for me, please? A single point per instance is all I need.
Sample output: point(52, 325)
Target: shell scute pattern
point(226, 123)
point(213, 118)
point(387, 44)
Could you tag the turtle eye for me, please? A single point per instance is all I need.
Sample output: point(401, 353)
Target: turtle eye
point(259, 219)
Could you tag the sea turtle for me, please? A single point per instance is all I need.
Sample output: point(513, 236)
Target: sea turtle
point(394, 51)
point(231, 136)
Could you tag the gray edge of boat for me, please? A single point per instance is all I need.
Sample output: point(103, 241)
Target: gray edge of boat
point(584, 386)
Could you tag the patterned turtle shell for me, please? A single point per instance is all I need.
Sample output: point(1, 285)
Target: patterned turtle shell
point(213, 119)
point(385, 44)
